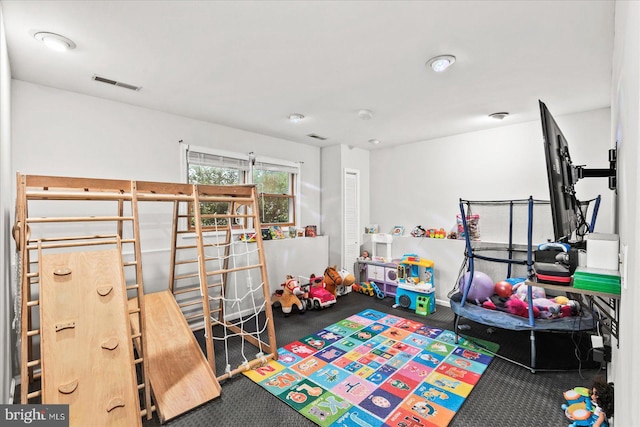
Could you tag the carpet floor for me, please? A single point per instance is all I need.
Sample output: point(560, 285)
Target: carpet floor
point(508, 393)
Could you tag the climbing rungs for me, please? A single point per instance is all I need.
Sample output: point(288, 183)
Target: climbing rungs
point(186, 231)
point(33, 363)
point(78, 219)
point(33, 332)
point(189, 304)
point(192, 261)
point(204, 245)
point(33, 303)
point(66, 238)
point(189, 261)
point(186, 290)
point(233, 270)
point(237, 200)
point(186, 276)
point(194, 316)
point(73, 244)
point(36, 393)
point(132, 287)
point(52, 195)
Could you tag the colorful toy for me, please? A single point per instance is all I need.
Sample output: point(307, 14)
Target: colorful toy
point(318, 296)
point(332, 279)
point(436, 233)
point(590, 407)
point(248, 237)
point(366, 288)
point(348, 279)
point(376, 290)
point(520, 290)
point(288, 297)
point(480, 289)
point(415, 278)
point(415, 270)
point(520, 308)
point(503, 289)
point(418, 231)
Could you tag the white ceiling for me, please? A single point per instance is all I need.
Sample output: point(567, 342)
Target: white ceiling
point(249, 64)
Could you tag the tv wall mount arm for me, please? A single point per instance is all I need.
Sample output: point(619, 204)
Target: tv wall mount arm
point(610, 173)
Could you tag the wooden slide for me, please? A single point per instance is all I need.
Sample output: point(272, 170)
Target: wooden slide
point(181, 378)
point(87, 353)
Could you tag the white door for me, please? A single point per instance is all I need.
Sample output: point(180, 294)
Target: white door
point(350, 218)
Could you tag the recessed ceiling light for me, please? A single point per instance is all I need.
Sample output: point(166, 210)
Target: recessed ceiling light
point(55, 41)
point(499, 116)
point(365, 114)
point(441, 63)
point(295, 117)
point(374, 141)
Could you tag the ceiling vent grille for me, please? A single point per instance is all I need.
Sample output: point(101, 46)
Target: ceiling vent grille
point(313, 135)
point(115, 83)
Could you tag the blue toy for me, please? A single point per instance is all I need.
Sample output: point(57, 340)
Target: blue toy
point(415, 278)
point(580, 408)
point(376, 289)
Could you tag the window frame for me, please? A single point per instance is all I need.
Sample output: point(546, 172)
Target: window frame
point(246, 177)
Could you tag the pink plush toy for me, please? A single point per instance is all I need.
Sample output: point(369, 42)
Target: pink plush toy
point(520, 308)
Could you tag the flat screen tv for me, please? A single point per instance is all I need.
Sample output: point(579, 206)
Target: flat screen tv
point(562, 176)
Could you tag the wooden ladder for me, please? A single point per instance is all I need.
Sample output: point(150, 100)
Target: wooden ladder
point(33, 233)
point(203, 303)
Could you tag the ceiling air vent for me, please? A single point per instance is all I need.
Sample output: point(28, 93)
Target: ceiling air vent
point(115, 83)
point(313, 135)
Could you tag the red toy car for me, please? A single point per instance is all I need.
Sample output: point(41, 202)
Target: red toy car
point(318, 297)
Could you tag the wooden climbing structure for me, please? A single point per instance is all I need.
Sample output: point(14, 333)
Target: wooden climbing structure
point(82, 292)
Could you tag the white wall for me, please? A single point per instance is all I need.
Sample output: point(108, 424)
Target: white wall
point(625, 111)
point(421, 183)
point(56, 132)
point(6, 209)
point(334, 160)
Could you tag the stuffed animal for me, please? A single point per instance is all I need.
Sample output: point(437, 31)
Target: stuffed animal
point(288, 297)
point(332, 279)
point(348, 279)
point(520, 308)
point(520, 290)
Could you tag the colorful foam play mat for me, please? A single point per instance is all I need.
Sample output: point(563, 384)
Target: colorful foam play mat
point(376, 369)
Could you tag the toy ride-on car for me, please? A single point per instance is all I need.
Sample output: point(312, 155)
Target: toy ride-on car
point(317, 296)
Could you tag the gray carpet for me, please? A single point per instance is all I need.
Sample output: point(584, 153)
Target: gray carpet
point(506, 395)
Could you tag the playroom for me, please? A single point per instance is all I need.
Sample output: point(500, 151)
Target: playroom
point(319, 213)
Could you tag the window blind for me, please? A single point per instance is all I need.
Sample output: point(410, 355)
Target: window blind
point(217, 161)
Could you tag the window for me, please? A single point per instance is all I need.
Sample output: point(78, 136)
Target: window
point(276, 182)
point(276, 192)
